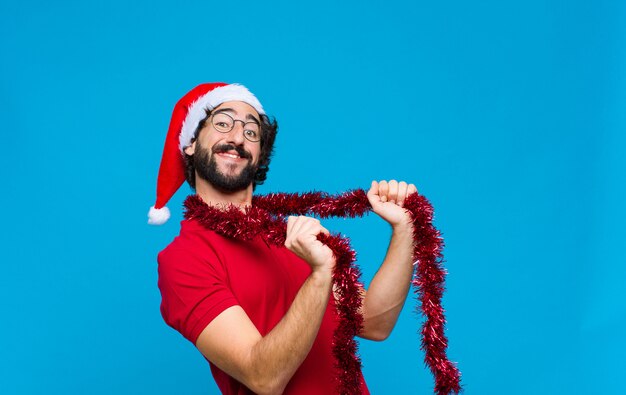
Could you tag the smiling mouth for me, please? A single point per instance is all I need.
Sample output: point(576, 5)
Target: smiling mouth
point(229, 155)
point(231, 152)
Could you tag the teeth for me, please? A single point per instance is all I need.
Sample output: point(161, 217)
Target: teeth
point(231, 155)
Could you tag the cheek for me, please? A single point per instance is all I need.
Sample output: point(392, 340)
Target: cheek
point(257, 154)
point(211, 143)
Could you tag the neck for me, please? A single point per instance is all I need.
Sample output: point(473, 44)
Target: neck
point(216, 197)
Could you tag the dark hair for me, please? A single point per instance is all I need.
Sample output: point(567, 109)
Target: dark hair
point(269, 128)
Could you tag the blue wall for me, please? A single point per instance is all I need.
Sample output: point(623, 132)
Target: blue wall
point(508, 116)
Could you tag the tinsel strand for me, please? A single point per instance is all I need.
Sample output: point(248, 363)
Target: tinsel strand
point(267, 218)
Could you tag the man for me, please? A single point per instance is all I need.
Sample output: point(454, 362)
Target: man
point(262, 316)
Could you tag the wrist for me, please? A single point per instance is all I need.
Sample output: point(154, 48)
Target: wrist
point(322, 276)
point(403, 228)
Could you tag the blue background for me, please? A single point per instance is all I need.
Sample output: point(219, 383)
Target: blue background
point(508, 116)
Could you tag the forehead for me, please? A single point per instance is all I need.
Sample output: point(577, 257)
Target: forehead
point(238, 108)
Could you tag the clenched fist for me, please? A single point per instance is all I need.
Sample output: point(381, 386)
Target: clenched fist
point(302, 240)
point(387, 200)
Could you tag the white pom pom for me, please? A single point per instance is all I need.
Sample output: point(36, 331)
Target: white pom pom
point(158, 216)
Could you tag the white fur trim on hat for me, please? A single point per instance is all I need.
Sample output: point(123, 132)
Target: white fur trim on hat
point(158, 216)
point(212, 99)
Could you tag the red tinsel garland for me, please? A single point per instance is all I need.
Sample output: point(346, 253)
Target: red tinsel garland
point(267, 218)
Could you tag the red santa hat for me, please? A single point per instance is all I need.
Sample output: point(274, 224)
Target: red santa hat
point(188, 112)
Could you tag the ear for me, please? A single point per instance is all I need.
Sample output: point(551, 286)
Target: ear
point(190, 149)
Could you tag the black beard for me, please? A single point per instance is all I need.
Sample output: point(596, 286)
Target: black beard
point(206, 168)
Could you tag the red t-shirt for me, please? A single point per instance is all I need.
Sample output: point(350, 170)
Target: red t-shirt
point(202, 273)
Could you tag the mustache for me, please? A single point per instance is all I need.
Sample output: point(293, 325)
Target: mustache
point(229, 147)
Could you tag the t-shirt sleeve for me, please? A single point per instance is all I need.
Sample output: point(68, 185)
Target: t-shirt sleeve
point(194, 290)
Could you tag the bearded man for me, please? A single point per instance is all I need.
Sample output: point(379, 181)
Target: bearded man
point(263, 316)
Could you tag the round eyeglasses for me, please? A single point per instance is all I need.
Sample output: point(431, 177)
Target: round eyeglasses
point(224, 123)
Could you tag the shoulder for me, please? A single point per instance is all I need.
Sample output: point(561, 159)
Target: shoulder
point(193, 237)
point(194, 246)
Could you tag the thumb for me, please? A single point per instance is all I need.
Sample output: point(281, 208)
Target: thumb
point(372, 194)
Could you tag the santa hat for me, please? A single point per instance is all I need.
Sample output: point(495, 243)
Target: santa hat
point(188, 112)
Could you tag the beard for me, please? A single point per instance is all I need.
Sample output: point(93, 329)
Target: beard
point(206, 168)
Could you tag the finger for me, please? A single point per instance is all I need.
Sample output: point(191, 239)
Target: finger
point(324, 230)
point(290, 221)
point(319, 231)
point(373, 189)
point(402, 192)
point(392, 195)
point(308, 226)
point(372, 194)
point(411, 189)
point(297, 223)
point(383, 190)
point(312, 226)
point(309, 232)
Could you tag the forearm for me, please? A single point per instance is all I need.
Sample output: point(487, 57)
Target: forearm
point(389, 288)
point(276, 357)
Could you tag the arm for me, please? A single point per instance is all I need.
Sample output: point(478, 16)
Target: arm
point(266, 364)
point(388, 290)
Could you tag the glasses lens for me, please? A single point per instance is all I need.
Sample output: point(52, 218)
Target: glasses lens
point(223, 123)
point(251, 131)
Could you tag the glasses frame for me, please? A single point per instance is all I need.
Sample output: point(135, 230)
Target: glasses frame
point(243, 129)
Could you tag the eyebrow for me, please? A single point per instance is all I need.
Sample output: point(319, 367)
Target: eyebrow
point(227, 109)
point(253, 118)
point(224, 110)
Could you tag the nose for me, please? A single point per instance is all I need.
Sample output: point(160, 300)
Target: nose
point(235, 135)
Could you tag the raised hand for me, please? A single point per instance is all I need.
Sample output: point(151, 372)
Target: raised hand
point(387, 200)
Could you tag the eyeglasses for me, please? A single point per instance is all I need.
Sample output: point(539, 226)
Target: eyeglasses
point(224, 123)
